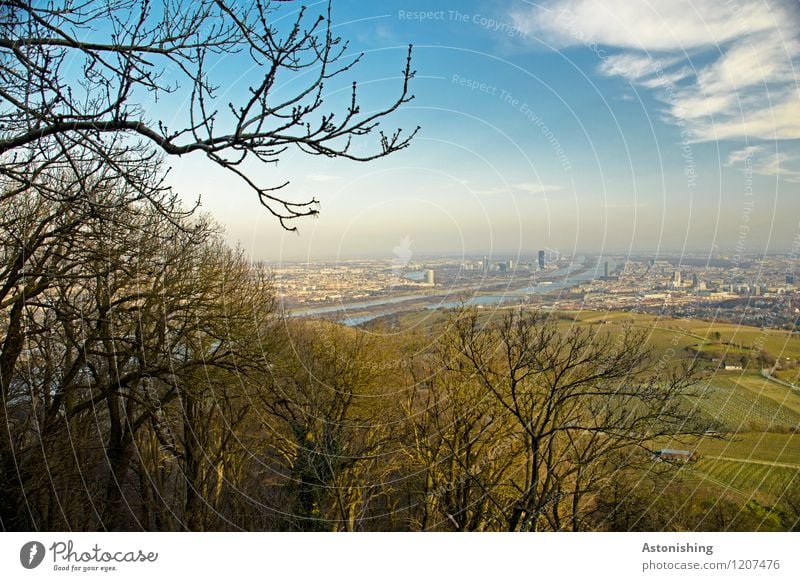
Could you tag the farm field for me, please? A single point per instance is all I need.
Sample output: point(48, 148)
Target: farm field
point(735, 338)
point(761, 466)
point(663, 333)
point(756, 455)
point(767, 484)
point(763, 447)
point(787, 398)
point(789, 376)
point(743, 409)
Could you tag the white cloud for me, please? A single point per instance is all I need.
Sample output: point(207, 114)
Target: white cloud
point(666, 79)
point(633, 66)
point(744, 65)
point(648, 26)
point(531, 188)
point(535, 188)
point(766, 161)
point(691, 105)
point(777, 165)
point(491, 191)
point(781, 120)
point(724, 70)
point(740, 155)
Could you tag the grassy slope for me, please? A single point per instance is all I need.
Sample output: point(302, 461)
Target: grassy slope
point(752, 463)
point(744, 401)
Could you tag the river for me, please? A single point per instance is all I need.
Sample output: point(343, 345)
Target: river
point(570, 276)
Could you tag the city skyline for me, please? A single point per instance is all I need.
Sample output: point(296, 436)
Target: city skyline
point(748, 289)
point(570, 124)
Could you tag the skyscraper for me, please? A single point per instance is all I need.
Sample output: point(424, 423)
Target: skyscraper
point(541, 260)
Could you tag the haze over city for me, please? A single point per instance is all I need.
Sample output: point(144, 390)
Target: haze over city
point(571, 125)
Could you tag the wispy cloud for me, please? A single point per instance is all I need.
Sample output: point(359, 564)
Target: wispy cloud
point(741, 155)
point(746, 84)
point(646, 26)
point(536, 188)
point(529, 188)
point(666, 79)
point(766, 161)
point(633, 66)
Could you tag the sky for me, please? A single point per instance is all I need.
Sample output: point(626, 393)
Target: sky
point(577, 125)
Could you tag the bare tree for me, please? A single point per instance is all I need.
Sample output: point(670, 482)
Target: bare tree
point(46, 247)
point(84, 323)
point(130, 343)
point(77, 78)
point(327, 432)
point(790, 500)
point(460, 444)
point(585, 406)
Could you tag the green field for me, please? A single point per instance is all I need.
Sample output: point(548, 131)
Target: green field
point(761, 447)
point(735, 339)
point(764, 483)
point(756, 454)
point(743, 408)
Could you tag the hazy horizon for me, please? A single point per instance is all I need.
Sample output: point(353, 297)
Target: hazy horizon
point(564, 124)
point(528, 255)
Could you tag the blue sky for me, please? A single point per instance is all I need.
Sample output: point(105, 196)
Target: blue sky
point(579, 125)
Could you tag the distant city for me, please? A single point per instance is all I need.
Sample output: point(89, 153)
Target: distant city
point(752, 290)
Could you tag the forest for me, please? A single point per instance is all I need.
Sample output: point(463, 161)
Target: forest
point(150, 380)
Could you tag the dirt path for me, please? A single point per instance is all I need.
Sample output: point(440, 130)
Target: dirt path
point(767, 375)
point(749, 461)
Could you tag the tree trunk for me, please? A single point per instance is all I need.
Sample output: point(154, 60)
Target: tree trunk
point(119, 454)
point(193, 504)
